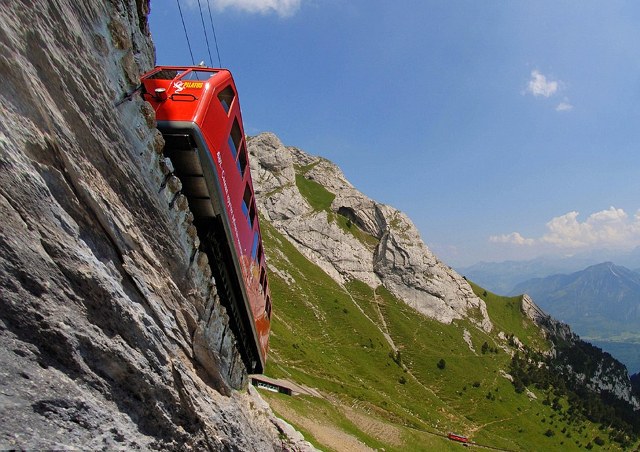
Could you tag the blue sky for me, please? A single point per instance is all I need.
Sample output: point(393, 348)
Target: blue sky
point(504, 129)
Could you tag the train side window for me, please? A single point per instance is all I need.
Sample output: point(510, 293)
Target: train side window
point(263, 276)
point(263, 282)
point(267, 308)
point(232, 147)
point(235, 138)
point(259, 257)
point(256, 242)
point(246, 202)
point(242, 160)
point(226, 97)
point(252, 213)
point(164, 74)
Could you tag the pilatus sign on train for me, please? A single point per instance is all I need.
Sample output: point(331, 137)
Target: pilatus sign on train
point(198, 113)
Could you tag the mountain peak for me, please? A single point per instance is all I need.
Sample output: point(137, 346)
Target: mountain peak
point(600, 302)
point(350, 236)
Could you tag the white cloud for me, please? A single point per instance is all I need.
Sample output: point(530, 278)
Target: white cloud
point(284, 8)
point(610, 228)
point(514, 238)
point(564, 106)
point(540, 86)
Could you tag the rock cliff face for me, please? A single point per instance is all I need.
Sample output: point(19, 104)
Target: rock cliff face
point(379, 245)
point(111, 331)
point(581, 362)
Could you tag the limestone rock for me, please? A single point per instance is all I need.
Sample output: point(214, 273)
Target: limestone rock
point(111, 330)
point(273, 167)
point(533, 311)
point(379, 246)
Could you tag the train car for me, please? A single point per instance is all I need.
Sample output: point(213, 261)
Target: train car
point(198, 113)
point(458, 438)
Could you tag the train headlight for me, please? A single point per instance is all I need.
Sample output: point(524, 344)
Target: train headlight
point(161, 94)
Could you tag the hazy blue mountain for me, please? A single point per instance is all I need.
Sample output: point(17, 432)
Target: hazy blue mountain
point(606, 292)
point(601, 303)
point(502, 277)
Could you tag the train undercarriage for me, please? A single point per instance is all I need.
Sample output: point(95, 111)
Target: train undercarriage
point(191, 166)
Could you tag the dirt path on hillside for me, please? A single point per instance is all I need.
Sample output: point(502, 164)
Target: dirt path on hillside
point(473, 430)
point(326, 434)
point(384, 329)
point(372, 426)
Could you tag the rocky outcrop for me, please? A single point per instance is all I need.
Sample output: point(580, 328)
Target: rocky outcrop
point(533, 311)
point(580, 361)
point(380, 244)
point(111, 332)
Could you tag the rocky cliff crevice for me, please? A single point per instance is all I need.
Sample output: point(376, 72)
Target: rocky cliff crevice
point(111, 332)
point(379, 245)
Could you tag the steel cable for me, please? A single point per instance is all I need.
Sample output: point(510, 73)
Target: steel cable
point(215, 39)
point(206, 38)
point(185, 33)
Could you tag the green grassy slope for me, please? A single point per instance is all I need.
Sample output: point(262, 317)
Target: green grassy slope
point(339, 339)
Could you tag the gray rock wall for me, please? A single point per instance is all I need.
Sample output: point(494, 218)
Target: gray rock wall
point(111, 332)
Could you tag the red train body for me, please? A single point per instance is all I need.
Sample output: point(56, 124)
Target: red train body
point(456, 437)
point(198, 113)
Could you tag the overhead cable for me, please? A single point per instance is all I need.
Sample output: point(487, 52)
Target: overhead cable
point(215, 39)
point(185, 33)
point(206, 38)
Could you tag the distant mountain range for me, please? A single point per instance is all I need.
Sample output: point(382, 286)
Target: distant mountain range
point(601, 294)
point(502, 277)
point(601, 303)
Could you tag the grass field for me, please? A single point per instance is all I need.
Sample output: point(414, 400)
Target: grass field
point(376, 361)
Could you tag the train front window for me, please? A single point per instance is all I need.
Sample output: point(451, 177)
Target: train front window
point(164, 74)
point(199, 75)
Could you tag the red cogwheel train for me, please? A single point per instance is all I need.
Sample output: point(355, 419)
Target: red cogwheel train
point(198, 113)
point(459, 438)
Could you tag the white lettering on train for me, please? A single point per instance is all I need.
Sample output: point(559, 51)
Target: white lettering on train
point(231, 214)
